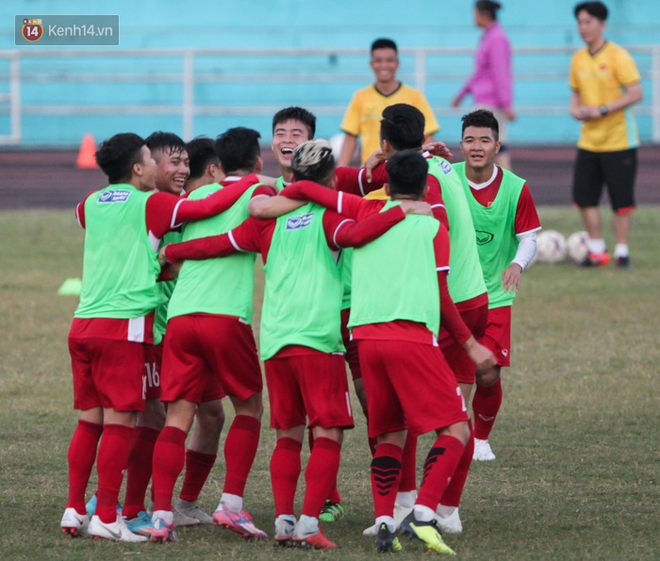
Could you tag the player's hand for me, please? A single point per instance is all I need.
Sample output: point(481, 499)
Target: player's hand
point(161, 256)
point(511, 278)
point(590, 112)
point(416, 207)
point(267, 180)
point(372, 162)
point(438, 148)
point(510, 114)
point(480, 355)
point(456, 102)
point(173, 269)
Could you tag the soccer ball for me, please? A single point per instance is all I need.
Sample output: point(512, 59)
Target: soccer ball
point(578, 246)
point(551, 247)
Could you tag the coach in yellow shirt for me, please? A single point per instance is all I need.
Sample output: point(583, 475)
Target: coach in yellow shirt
point(365, 111)
point(605, 83)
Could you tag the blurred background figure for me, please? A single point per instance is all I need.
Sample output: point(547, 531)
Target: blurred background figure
point(491, 85)
point(605, 83)
point(362, 118)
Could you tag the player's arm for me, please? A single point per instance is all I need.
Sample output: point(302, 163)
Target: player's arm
point(264, 206)
point(351, 206)
point(434, 198)
point(166, 212)
point(342, 232)
point(575, 106)
point(80, 211)
point(632, 94)
point(243, 238)
point(526, 225)
point(450, 318)
point(360, 181)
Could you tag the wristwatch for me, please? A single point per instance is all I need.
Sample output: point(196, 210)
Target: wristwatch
point(603, 110)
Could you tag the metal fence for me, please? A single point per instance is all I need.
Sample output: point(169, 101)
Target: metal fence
point(433, 67)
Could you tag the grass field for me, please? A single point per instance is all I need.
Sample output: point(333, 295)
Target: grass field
point(578, 469)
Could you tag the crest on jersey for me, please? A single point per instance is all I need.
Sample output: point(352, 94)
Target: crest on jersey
point(298, 222)
point(445, 166)
point(114, 196)
point(484, 237)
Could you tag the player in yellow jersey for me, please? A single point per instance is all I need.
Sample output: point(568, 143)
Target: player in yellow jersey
point(605, 83)
point(363, 115)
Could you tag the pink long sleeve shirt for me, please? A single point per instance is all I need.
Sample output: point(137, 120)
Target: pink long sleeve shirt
point(491, 83)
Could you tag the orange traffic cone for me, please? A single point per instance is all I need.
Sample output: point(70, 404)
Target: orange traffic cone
point(86, 159)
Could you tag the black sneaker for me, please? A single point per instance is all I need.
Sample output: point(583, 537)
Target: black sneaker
point(426, 532)
point(595, 260)
point(623, 262)
point(386, 540)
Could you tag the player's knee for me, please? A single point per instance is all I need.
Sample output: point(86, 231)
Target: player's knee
point(489, 377)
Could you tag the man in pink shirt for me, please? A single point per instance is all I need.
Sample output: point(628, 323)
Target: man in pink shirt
point(491, 84)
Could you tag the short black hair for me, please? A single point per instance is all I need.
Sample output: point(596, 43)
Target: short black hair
point(488, 7)
point(383, 44)
point(166, 142)
point(116, 156)
point(595, 9)
point(313, 160)
point(481, 118)
point(402, 126)
point(296, 114)
point(407, 173)
point(201, 152)
point(238, 149)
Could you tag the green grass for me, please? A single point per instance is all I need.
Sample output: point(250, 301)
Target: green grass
point(578, 468)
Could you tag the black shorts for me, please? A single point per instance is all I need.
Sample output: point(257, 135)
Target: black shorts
point(615, 169)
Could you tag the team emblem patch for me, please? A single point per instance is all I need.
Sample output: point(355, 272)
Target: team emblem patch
point(484, 237)
point(298, 222)
point(445, 166)
point(114, 196)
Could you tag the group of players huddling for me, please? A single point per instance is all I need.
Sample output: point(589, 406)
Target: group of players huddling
point(347, 278)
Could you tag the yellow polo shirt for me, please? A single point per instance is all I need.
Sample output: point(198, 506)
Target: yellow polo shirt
point(599, 79)
point(365, 111)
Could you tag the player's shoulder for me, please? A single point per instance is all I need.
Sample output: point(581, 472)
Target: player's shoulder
point(365, 93)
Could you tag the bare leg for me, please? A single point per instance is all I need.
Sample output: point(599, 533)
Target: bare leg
point(621, 224)
point(591, 219)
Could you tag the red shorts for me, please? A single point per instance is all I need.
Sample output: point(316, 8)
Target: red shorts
point(107, 373)
point(207, 357)
point(498, 334)
point(351, 355)
point(461, 364)
point(153, 359)
point(408, 386)
point(310, 386)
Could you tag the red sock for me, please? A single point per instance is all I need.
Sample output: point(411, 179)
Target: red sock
point(284, 473)
point(486, 404)
point(138, 469)
point(82, 453)
point(453, 492)
point(240, 449)
point(409, 465)
point(111, 463)
point(439, 467)
point(169, 457)
point(333, 496)
point(320, 475)
point(385, 477)
point(198, 467)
